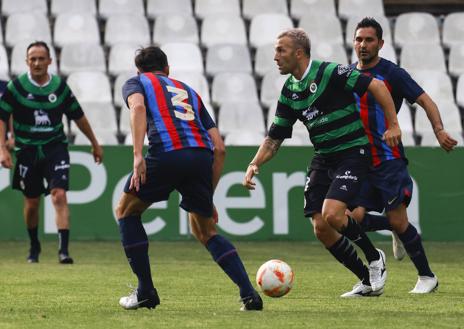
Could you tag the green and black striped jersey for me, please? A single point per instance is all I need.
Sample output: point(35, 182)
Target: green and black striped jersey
point(323, 100)
point(38, 111)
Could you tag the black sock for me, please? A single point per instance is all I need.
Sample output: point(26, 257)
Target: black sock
point(135, 242)
point(226, 256)
point(63, 241)
point(354, 232)
point(346, 254)
point(372, 223)
point(34, 236)
point(413, 244)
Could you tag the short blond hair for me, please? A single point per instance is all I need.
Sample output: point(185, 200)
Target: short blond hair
point(299, 37)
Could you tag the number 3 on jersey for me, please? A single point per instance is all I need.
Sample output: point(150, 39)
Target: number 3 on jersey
point(180, 95)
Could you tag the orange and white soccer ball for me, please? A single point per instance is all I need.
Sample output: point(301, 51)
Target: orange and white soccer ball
point(275, 278)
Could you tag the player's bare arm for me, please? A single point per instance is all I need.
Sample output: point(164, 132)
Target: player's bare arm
point(392, 135)
point(97, 150)
point(266, 152)
point(431, 109)
point(138, 117)
point(5, 156)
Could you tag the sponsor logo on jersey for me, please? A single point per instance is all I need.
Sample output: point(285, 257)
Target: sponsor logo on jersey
point(294, 96)
point(311, 113)
point(62, 165)
point(41, 118)
point(30, 96)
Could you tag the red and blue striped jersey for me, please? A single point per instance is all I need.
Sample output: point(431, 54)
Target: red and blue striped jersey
point(176, 115)
point(401, 86)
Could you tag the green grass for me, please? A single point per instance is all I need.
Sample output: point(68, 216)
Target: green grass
point(196, 294)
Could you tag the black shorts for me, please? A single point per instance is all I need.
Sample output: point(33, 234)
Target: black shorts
point(189, 171)
point(35, 175)
point(337, 177)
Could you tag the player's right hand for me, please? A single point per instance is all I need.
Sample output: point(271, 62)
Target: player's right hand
point(251, 171)
point(5, 158)
point(139, 175)
point(446, 141)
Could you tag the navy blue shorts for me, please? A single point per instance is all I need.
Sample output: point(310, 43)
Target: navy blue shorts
point(31, 171)
point(339, 178)
point(388, 185)
point(189, 171)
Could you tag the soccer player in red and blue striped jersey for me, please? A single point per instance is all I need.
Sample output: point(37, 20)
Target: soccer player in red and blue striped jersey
point(186, 153)
point(389, 186)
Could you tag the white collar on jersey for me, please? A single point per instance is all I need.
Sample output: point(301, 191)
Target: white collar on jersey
point(35, 83)
point(305, 72)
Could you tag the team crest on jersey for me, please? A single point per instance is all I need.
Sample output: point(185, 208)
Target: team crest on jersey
point(313, 87)
point(41, 118)
point(342, 69)
point(52, 98)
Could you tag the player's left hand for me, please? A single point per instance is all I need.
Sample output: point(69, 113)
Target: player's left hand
point(248, 180)
point(392, 136)
point(139, 174)
point(97, 152)
point(446, 141)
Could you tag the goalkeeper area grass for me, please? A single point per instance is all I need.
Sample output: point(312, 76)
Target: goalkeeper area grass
point(195, 293)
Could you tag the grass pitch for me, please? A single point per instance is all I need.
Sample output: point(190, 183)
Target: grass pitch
point(196, 294)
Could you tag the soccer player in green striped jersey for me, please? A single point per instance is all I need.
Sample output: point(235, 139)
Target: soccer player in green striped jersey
point(320, 94)
point(36, 101)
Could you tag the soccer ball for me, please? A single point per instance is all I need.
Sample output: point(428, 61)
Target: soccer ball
point(275, 278)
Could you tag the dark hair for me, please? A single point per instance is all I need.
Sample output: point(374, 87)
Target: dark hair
point(150, 59)
point(38, 44)
point(370, 22)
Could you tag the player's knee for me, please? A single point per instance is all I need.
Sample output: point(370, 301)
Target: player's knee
point(58, 197)
point(321, 230)
point(333, 218)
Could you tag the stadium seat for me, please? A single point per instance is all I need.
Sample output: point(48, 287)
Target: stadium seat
point(107, 8)
point(127, 28)
point(264, 59)
point(10, 7)
point(75, 27)
point(117, 87)
point(354, 20)
point(265, 28)
point(27, 27)
point(407, 138)
point(163, 7)
point(102, 117)
point(239, 117)
point(128, 139)
point(244, 138)
point(298, 8)
point(405, 118)
point(387, 52)
point(271, 86)
point(325, 29)
point(437, 84)
point(414, 28)
point(4, 69)
point(347, 8)
point(456, 60)
point(449, 114)
point(195, 80)
point(252, 8)
point(73, 7)
point(18, 59)
point(219, 29)
point(82, 57)
point(228, 58)
point(121, 58)
point(423, 57)
point(103, 137)
point(90, 87)
point(453, 30)
point(330, 53)
point(205, 8)
point(184, 56)
point(230, 87)
point(460, 91)
point(175, 28)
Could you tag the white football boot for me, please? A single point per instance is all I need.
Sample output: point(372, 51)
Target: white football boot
point(398, 248)
point(134, 301)
point(362, 290)
point(378, 272)
point(425, 285)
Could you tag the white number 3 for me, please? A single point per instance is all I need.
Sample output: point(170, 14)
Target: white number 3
point(178, 100)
